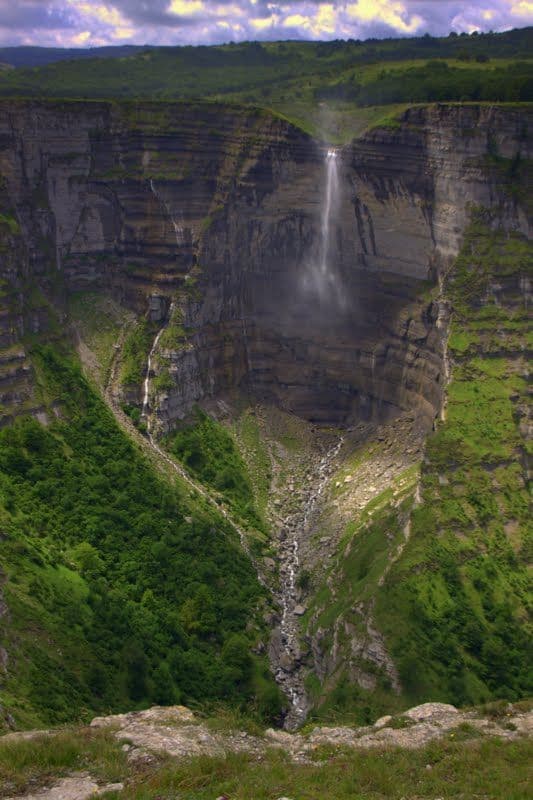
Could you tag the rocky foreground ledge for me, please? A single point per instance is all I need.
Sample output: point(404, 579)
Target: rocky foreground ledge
point(178, 733)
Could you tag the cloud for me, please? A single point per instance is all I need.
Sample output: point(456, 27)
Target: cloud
point(95, 22)
point(393, 13)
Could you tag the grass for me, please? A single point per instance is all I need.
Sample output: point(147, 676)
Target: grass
point(255, 454)
point(223, 719)
point(463, 765)
point(448, 769)
point(40, 761)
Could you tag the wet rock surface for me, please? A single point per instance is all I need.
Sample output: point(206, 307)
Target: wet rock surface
point(297, 502)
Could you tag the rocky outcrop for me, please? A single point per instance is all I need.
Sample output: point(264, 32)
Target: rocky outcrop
point(152, 749)
point(177, 732)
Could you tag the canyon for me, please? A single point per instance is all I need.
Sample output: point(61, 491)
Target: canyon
point(275, 278)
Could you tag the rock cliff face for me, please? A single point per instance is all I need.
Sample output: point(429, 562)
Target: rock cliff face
point(220, 210)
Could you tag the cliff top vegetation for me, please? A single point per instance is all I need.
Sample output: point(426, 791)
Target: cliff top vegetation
point(328, 88)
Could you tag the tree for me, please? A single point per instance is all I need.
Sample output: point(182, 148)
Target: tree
point(164, 691)
point(236, 656)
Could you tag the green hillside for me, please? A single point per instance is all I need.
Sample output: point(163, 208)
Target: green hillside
point(122, 588)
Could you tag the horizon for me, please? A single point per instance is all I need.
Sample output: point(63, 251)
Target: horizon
point(229, 43)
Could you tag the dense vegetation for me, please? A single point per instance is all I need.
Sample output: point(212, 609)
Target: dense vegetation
point(436, 81)
point(32, 56)
point(455, 607)
point(122, 590)
point(184, 72)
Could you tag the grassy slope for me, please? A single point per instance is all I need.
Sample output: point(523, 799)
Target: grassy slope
point(209, 451)
point(454, 607)
point(364, 551)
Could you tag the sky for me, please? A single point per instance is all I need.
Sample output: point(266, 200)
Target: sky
point(90, 23)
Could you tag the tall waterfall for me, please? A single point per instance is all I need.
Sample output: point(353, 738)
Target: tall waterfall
point(329, 200)
point(321, 279)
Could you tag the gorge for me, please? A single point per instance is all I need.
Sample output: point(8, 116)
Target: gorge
point(303, 299)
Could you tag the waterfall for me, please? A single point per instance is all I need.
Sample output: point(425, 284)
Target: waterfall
point(146, 384)
point(321, 277)
point(330, 196)
point(146, 396)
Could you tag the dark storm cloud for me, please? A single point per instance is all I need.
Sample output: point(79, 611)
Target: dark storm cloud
point(92, 22)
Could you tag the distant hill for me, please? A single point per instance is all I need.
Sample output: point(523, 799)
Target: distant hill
point(40, 56)
point(515, 43)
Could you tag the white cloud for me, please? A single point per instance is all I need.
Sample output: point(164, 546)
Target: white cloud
point(186, 8)
point(390, 12)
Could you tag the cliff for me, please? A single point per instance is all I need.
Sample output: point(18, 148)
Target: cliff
point(220, 209)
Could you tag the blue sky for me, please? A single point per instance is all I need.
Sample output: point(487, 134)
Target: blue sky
point(84, 23)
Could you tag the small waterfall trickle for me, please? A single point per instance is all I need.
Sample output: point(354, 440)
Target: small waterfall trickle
point(146, 396)
point(179, 231)
point(146, 384)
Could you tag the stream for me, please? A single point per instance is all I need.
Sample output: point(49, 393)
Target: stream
point(285, 654)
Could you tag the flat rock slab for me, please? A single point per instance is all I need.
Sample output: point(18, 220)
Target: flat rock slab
point(176, 731)
point(75, 787)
